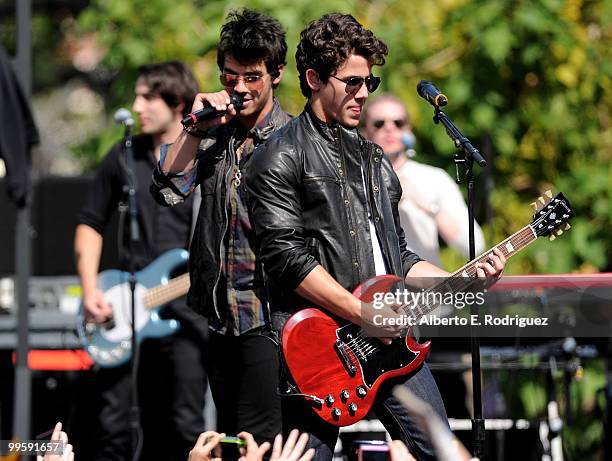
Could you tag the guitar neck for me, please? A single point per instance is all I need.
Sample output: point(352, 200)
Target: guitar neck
point(513, 244)
point(163, 294)
point(465, 276)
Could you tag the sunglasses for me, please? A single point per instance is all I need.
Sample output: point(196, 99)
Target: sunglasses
point(253, 82)
point(353, 84)
point(399, 123)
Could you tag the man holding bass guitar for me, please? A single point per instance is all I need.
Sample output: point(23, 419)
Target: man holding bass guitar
point(323, 202)
point(172, 379)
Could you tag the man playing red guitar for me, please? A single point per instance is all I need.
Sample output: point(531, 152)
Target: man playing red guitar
point(323, 202)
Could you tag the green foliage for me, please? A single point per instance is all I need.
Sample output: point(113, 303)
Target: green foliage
point(93, 151)
point(526, 397)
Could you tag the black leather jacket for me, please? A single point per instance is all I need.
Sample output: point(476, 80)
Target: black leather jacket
point(215, 157)
point(308, 207)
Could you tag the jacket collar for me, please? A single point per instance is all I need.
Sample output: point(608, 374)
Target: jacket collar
point(329, 131)
point(335, 133)
point(273, 120)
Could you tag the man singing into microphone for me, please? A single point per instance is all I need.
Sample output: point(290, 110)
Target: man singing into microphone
point(172, 380)
point(226, 284)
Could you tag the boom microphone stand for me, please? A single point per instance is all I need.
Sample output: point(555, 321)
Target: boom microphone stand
point(124, 117)
point(466, 156)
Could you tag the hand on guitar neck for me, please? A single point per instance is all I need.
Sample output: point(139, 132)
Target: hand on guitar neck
point(490, 268)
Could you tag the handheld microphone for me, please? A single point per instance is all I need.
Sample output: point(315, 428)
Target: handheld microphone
point(430, 93)
point(209, 113)
point(123, 117)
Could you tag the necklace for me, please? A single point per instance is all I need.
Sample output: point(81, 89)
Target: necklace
point(237, 173)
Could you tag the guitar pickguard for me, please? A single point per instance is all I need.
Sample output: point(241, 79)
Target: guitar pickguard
point(119, 297)
point(373, 357)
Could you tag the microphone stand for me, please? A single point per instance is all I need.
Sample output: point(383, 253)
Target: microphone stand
point(467, 156)
point(134, 233)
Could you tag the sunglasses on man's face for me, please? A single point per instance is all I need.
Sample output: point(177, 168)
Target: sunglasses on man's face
point(399, 123)
point(253, 82)
point(353, 84)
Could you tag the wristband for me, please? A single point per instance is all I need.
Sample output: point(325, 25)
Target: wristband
point(195, 132)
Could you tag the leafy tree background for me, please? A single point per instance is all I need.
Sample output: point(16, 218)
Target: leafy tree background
point(529, 82)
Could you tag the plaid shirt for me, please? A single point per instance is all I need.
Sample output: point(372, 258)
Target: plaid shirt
point(240, 293)
point(244, 307)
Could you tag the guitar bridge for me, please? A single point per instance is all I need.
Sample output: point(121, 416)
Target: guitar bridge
point(345, 357)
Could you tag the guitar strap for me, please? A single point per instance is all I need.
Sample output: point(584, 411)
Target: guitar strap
point(195, 210)
point(122, 208)
point(286, 384)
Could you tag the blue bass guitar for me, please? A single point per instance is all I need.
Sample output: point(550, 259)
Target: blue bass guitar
point(108, 343)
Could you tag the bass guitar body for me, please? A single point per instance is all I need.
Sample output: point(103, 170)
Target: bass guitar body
point(109, 344)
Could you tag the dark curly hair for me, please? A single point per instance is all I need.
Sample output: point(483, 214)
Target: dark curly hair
point(172, 81)
point(329, 41)
point(249, 36)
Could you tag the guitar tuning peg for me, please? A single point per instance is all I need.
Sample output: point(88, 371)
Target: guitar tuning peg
point(542, 200)
point(560, 231)
point(552, 237)
point(548, 193)
point(534, 205)
point(567, 226)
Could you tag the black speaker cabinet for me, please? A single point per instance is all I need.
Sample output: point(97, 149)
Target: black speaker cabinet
point(56, 202)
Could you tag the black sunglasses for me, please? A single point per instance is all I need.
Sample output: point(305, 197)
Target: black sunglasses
point(353, 84)
point(399, 123)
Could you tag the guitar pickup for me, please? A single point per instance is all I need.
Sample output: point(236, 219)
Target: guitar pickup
point(345, 357)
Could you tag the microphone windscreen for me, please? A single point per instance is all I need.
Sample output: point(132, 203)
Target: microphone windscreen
point(236, 99)
point(124, 117)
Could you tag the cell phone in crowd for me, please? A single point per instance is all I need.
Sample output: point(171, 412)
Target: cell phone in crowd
point(370, 450)
point(230, 448)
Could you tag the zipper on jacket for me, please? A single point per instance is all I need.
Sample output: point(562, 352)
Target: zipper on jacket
point(227, 179)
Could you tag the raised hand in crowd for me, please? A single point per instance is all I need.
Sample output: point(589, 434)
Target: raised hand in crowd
point(293, 450)
point(204, 446)
point(206, 449)
point(67, 453)
point(399, 452)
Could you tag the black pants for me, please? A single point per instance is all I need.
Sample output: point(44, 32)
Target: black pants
point(172, 388)
point(243, 374)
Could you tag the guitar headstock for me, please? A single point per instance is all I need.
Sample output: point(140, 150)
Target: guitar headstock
point(552, 216)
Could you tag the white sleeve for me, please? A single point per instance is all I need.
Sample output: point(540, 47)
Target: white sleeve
point(451, 202)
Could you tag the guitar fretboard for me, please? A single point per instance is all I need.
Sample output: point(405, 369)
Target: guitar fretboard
point(465, 276)
point(162, 294)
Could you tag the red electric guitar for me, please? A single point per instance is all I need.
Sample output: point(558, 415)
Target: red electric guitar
point(339, 369)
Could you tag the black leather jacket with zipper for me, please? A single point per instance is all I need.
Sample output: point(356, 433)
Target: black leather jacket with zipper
point(311, 204)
